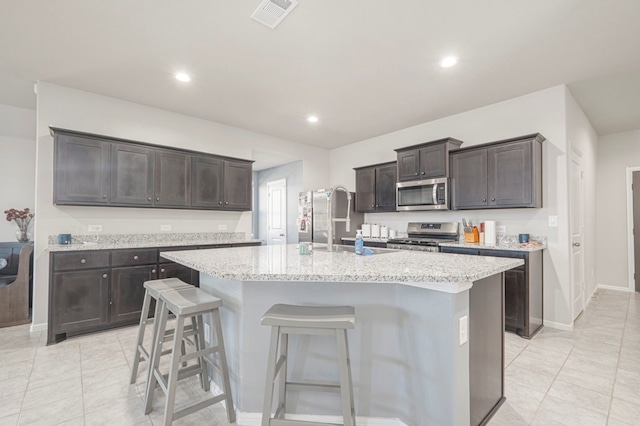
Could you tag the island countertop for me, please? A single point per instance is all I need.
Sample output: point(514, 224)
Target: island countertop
point(450, 273)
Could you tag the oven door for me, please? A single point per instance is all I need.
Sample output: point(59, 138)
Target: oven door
point(428, 194)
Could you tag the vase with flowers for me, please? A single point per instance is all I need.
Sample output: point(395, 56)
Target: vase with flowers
point(22, 218)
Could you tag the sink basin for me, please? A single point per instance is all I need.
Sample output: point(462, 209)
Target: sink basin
point(339, 248)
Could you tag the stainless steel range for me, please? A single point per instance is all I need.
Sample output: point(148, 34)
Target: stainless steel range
point(425, 236)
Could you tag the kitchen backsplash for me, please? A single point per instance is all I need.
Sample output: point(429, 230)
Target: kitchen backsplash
point(151, 238)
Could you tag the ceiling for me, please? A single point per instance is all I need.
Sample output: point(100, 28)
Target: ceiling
point(364, 67)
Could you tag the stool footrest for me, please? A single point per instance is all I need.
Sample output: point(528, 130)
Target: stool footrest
point(197, 354)
point(198, 406)
point(313, 387)
point(291, 422)
point(183, 373)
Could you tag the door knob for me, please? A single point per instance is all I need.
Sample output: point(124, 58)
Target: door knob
point(282, 235)
point(576, 244)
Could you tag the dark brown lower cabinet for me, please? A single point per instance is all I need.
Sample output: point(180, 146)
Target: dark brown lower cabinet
point(523, 292)
point(96, 290)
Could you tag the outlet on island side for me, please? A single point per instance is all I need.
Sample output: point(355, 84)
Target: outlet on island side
point(207, 333)
point(165, 228)
point(464, 327)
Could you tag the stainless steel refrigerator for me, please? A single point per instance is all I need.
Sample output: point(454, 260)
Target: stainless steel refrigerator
point(313, 216)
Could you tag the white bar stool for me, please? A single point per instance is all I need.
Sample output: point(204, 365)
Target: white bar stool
point(152, 290)
point(314, 320)
point(188, 303)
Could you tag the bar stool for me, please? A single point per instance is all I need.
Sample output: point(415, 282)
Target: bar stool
point(314, 320)
point(185, 303)
point(152, 290)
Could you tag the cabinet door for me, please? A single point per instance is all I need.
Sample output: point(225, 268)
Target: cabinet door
point(81, 171)
point(366, 190)
point(433, 161)
point(206, 183)
point(469, 186)
point(176, 270)
point(173, 179)
point(510, 175)
point(237, 185)
point(409, 165)
point(515, 290)
point(386, 188)
point(80, 299)
point(132, 175)
point(127, 291)
point(459, 250)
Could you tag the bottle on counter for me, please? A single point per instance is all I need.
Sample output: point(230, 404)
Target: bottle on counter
point(359, 242)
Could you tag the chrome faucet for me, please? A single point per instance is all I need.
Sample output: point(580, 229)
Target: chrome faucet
point(347, 219)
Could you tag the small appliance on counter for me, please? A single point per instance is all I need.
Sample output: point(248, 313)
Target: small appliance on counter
point(313, 216)
point(426, 236)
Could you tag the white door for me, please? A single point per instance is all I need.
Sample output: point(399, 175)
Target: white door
point(577, 228)
point(277, 212)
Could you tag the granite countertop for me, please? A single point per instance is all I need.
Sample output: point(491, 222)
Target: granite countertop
point(377, 240)
point(452, 273)
point(128, 241)
point(505, 245)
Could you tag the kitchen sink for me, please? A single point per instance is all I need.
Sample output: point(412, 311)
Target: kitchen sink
point(338, 248)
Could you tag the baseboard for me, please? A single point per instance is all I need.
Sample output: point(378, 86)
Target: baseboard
point(38, 327)
point(255, 419)
point(558, 325)
point(614, 288)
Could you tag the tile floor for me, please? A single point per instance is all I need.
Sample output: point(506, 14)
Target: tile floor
point(590, 376)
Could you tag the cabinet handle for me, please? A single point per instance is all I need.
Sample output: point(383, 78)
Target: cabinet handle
point(226, 202)
point(162, 270)
point(576, 244)
point(104, 275)
point(148, 198)
point(493, 199)
point(373, 206)
point(416, 173)
point(153, 271)
point(484, 200)
point(135, 257)
point(220, 202)
point(377, 205)
point(104, 196)
point(157, 198)
point(423, 173)
point(83, 261)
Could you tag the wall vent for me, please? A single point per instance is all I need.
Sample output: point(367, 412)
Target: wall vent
point(272, 12)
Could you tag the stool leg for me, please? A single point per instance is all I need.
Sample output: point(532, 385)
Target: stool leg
point(200, 345)
point(159, 325)
point(172, 381)
point(353, 406)
point(140, 340)
point(271, 368)
point(282, 390)
point(231, 412)
point(345, 379)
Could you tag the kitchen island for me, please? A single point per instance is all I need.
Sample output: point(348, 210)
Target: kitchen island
point(410, 363)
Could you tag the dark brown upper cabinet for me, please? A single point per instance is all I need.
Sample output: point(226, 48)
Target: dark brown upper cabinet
point(97, 170)
point(503, 174)
point(81, 171)
point(376, 188)
point(425, 161)
point(132, 174)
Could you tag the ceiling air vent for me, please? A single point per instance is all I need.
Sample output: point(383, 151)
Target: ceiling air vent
point(272, 12)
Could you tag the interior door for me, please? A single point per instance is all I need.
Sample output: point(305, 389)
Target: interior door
point(577, 227)
point(277, 212)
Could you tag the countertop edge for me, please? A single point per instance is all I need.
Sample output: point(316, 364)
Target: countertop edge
point(119, 246)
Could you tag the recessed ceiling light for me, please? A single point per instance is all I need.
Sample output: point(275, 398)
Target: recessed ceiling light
point(312, 119)
point(449, 61)
point(184, 77)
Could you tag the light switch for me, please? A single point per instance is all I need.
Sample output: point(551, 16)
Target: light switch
point(222, 227)
point(553, 221)
point(464, 327)
point(94, 228)
point(165, 228)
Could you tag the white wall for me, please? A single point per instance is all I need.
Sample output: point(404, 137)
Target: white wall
point(543, 112)
point(616, 152)
point(583, 138)
point(78, 110)
point(17, 164)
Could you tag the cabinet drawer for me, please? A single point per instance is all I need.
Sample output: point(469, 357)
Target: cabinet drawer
point(80, 260)
point(134, 257)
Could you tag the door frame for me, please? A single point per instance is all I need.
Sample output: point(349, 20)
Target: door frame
point(269, 184)
point(630, 243)
point(576, 152)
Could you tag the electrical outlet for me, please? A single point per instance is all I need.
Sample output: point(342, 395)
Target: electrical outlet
point(165, 228)
point(94, 228)
point(464, 335)
point(222, 227)
point(207, 333)
point(553, 221)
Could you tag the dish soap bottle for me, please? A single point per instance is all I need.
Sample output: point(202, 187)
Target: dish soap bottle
point(359, 242)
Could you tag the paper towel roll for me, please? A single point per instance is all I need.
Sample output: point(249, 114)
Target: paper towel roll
point(490, 232)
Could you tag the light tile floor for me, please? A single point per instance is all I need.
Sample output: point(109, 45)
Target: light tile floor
point(590, 376)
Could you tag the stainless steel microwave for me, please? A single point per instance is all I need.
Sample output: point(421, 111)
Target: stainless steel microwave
point(428, 194)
